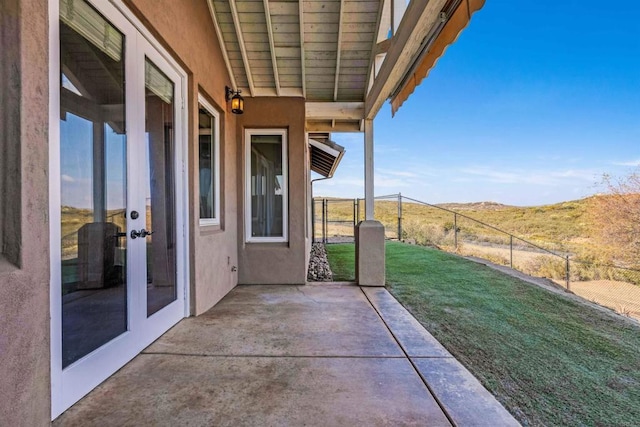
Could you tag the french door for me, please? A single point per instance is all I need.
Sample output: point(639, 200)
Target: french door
point(118, 274)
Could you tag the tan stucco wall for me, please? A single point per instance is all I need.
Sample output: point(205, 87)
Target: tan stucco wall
point(269, 263)
point(24, 277)
point(185, 28)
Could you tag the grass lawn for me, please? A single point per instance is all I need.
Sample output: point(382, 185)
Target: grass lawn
point(342, 261)
point(549, 360)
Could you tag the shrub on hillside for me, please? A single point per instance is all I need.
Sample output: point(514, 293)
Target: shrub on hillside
point(546, 266)
point(615, 219)
point(427, 234)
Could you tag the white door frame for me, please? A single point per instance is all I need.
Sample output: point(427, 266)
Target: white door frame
point(68, 386)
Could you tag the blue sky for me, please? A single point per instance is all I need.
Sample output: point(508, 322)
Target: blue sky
point(532, 105)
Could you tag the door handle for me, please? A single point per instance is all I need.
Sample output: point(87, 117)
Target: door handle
point(145, 233)
point(142, 233)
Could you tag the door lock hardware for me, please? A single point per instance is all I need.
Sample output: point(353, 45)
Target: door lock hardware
point(142, 233)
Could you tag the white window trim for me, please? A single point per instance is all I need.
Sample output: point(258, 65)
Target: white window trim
point(204, 222)
point(247, 186)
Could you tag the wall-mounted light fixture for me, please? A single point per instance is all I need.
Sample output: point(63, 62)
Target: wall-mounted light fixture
point(237, 101)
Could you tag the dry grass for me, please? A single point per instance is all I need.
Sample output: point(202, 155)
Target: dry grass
point(562, 226)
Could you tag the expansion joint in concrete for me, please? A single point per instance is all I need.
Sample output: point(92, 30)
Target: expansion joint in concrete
point(270, 356)
point(413, 365)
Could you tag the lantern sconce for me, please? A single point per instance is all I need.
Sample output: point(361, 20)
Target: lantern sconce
point(237, 101)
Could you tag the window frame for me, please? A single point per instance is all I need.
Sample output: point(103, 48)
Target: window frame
point(68, 386)
point(247, 186)
point(215, 139)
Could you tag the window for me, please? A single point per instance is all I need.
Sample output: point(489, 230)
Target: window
point(208, 163)
point(266, 183)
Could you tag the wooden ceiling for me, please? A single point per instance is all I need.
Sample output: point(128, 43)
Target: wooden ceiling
point(320, 50)
point(345, 57)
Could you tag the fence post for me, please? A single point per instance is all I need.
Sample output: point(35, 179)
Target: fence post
point(568, 274)
point(357, 210)
point(313, 220)
point(455, 230)
point(511, 251)
point(324, 220)
point(399, 216)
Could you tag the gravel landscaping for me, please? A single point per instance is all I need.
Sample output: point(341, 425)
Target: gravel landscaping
point(319, 269)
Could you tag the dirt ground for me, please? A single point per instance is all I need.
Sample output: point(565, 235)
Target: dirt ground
point(622, 297)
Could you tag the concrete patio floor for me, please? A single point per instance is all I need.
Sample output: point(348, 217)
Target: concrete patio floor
point(314, 355)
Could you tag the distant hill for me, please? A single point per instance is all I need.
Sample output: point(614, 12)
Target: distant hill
point(559, 226)
point(474, 206)
point(564, 223)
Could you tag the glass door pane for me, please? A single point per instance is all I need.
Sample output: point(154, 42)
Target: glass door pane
point(160, 188)
point(93, 149)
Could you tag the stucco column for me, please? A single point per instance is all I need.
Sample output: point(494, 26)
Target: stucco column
point(368, 169)
point(369, 234)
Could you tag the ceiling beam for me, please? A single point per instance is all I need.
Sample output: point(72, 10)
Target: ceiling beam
point(338, 52)
point(383, 23)
point(295, 92)
point(334, 110)
point(75, 81)
point(243, 49)
point(78, 69)
point(223, 46)
point(382, 47)
point(303, 71)
point(267, 14)
point(419, 18)
point(322, 126)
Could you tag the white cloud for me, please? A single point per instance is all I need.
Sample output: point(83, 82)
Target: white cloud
point(537, 177)
point(581, 174)
point(387, 182)
point(352, 182)
point(348, 138)
point(391, 172)
point(388, 149)
point(628, 163)
point(67, 178)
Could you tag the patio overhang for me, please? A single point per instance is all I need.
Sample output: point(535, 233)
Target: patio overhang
point(334, 116)
point(426, 29)
point(345, 57)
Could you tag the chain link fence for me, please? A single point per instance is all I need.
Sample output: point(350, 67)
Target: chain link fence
point(334, 219)
point(417, 222)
